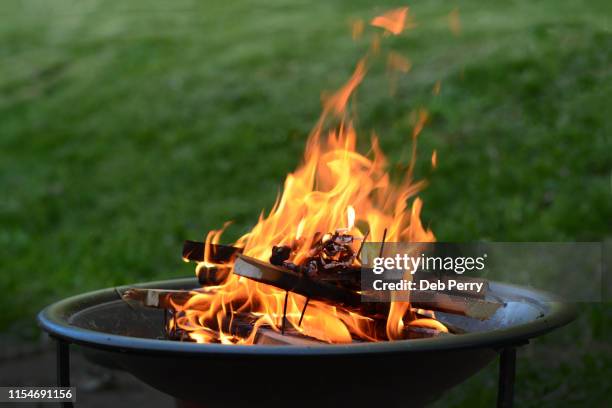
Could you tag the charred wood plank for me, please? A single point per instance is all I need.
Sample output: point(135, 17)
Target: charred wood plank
point(468, 306)
point(285, 279)
point(194, 251)
point(288, 280)
point(158, 298)
point(417, 332)
point(212, 275)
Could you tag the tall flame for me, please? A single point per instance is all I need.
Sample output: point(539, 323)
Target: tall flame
point(335, 187)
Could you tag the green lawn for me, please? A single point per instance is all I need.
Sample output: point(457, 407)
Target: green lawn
point(126, 127)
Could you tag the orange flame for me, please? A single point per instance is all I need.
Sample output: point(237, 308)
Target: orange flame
point(394, 21)
point(357, 29)
point(335, 188)
point(396, 62)
point(436, 88)
point(454, 22)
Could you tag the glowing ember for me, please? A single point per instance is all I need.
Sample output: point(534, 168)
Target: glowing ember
point(336, 190)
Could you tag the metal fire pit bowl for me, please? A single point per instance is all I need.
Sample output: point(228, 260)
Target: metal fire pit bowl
point(393, 374)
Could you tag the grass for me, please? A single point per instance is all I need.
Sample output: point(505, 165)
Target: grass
point(128, 127)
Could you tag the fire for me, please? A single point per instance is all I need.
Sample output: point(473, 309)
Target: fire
point(454, 22)
point(336, 188)
point(394, 21)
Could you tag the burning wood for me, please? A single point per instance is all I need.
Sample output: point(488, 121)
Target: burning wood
point(289, 338)
point(158, 298)
point(329, 273)
point(470, 306)
point(239, 325)
point(331, 254)
point(437, 301)
point(214, 260)
point(194, 251)
point(461, 305)
point(294, 281)
point(212, 274)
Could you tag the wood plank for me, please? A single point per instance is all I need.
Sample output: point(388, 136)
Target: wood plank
point(212, 275)
point(468, 306)
point(290, 338)
point(294, 282)
point(194, 251)
point(157, 298)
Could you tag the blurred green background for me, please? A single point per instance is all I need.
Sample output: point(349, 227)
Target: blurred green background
point(126, 127)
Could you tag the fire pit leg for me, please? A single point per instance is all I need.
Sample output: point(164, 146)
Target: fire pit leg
point(507, 372)
point(284, 312)
point(63, 367)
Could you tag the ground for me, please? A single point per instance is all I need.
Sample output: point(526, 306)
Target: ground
point(96, 387)
point(128, 127)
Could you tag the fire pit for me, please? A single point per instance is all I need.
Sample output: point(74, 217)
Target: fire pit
point(281, 317)
point(398, 373)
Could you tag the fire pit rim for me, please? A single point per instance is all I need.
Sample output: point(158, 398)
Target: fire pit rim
point(54, 319)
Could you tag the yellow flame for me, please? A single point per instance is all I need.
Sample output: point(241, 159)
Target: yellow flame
point(350, 215)
point(300, 229)
point(436, 88)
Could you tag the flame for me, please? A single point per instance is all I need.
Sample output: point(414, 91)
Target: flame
point(213, 237)
point(436, 88)
point(357, 29)
point(430, 324)
point(394, 21)
point(350, 215)
point(454, 22)
point(396, 62)
point(336, 188)
point(300, 229)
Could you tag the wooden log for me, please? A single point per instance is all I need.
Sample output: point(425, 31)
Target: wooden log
point(212, 275)
point(194, 251)
point(241, 324)
point(291, 281)
point(266, 336)
point(417, 332)
point(285, 279)
point(468, 306)
point(158, 298)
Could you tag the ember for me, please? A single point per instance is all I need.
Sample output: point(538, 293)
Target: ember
point(332, 253)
